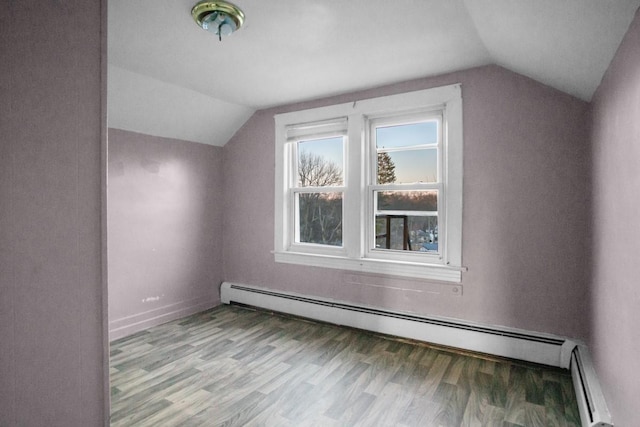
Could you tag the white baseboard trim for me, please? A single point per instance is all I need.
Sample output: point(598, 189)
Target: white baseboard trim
point(125, 326)
point(545, 349)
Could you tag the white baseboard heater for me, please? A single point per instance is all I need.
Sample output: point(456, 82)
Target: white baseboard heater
point(512, 343)
point(591, 403)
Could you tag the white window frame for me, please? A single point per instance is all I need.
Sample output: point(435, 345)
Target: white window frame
point(357, 253)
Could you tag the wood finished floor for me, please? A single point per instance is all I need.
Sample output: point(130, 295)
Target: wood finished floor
point(231, 366)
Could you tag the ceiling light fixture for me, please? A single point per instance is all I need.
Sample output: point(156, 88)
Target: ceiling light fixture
point(219, 17)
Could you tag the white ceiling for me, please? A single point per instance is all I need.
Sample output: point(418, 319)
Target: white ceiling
point(168, 77)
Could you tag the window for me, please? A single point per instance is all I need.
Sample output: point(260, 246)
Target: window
point(373, 186)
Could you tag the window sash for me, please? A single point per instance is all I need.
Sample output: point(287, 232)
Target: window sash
point(372, 211)
point(371, 251)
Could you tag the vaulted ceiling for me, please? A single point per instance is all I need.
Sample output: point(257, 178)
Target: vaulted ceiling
point(168, 77)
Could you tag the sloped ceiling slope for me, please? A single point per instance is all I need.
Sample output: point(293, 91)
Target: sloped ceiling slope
point(170, 78)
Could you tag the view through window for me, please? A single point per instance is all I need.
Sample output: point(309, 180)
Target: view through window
point(319, 208)
point(407, 185)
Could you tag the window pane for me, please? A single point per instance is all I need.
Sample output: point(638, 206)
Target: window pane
point(411, 135)
point(407, 153)
point(408, 233)
point(319, 218)
point(321, 162)
point(403, 201)
point(408, 166)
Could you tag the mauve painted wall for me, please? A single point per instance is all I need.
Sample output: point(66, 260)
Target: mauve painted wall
point(615, 293)
point(525, 222)
point(164, 229)
point(51, 316)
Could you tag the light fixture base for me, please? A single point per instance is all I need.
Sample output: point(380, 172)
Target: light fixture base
point(218, 17)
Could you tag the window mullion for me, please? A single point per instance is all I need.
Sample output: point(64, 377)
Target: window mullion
point(352, 194)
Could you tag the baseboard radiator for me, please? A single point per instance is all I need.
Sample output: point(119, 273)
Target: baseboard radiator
point(591, 403)
point(512, 343)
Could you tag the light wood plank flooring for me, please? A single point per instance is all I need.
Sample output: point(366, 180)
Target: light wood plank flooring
point(231, 366)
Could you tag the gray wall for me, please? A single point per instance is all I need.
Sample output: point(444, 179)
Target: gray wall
point(615, 298)
point(165, 229)
point(51, 313)
point(526, 210)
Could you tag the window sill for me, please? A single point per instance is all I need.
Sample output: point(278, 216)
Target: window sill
point(376, 266)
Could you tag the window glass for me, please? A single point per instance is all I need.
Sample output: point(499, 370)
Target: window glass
point(407, 232)
point(321, 162)
point(407, 153)
point(407, 135)
point(407, 220)
point(319, 218)
point(407, 200)
point(407, 166)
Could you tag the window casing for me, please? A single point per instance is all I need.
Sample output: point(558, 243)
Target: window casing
point(373, 186)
